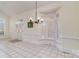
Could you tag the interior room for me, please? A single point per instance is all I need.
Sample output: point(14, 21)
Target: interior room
point(39, 29)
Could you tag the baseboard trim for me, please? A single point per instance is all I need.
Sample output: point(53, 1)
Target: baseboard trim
point(69, 37)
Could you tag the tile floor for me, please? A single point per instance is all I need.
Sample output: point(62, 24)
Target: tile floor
point(29, 50)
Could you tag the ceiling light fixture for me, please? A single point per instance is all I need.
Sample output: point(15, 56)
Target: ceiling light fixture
point(37, 19)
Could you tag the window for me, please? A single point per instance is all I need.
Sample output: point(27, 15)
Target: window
point(2, 26)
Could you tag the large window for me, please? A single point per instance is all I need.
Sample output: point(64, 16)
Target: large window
point(2, 26)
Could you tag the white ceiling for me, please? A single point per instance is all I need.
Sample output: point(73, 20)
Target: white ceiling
point(11, 8)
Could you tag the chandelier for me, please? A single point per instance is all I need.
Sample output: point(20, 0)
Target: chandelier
point(37, 19)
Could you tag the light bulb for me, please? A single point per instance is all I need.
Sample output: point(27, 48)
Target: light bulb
point(42, 20)
point(38, 18)
point(31, 18)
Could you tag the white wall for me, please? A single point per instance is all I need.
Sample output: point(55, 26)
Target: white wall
point(69, 20)
point(69, 29)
